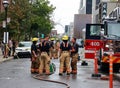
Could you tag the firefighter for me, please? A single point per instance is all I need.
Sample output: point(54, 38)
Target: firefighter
point(44, 48)
point(52, 48)
point(34, 56)
point(57, 49)
point(74, 55)
point(64, 55)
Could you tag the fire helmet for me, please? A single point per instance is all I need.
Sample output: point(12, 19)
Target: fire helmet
point(34, 39)
point(65, 37)
point(52, 39)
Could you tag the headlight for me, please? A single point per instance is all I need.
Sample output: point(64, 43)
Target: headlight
point(28, 49)
point(107, 45)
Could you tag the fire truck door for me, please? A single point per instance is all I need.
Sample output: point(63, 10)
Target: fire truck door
point(92, 39)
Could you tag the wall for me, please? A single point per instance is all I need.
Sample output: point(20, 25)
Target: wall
point(80, 21)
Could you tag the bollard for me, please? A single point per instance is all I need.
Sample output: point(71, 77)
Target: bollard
point(96, 67)
point(110, 72)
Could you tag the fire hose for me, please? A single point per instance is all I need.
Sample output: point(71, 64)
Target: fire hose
point(39, 77)
point(52, 70)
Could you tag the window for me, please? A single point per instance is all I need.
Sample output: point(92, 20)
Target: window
point(95, 30)
point(97, 4)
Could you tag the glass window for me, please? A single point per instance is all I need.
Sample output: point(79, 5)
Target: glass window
point(97, 3)
point(114, 29)
point(25, 44)
point(95, 30)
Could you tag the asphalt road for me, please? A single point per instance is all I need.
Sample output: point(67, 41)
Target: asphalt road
point(16, 74)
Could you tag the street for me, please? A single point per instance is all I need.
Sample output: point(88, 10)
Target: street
point(16, 74)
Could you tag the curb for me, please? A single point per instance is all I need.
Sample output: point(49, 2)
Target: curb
point(5, 59)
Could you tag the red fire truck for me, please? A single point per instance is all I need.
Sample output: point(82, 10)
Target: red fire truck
point(98, 38)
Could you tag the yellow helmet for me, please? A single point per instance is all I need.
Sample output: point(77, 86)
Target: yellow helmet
point(65, 37)
point(52, 39)
point(35, 39)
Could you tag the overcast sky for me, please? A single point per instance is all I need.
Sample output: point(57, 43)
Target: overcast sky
point(64, 13)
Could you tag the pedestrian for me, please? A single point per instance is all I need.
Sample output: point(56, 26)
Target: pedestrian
point(44, 48)
point(64, 55)
point(57, 49)
point(2, 47)
point(10, 47)
point(13, 47)
point(34, 56)
point(6, 50)
point(74, 55)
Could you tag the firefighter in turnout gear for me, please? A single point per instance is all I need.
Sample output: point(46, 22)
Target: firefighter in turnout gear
point(74, 55)
point(52, 48)
point(65, 48)
point(57, 49)
point(44, 48)
point(34, 57)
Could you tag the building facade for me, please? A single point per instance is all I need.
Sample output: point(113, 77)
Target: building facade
point(1, 5)
point(84, 17)
point(102, 9)
point(80, 21)
point(85, 7)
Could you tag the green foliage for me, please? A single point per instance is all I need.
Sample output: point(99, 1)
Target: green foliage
point(41, 15)
point(29, 18)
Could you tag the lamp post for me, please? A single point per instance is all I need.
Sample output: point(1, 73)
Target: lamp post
point(5, 5)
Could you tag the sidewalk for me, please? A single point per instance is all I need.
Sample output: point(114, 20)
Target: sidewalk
point(4, 59)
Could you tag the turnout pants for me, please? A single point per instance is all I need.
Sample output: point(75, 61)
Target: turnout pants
point(64, 60)
point(44, 63)
point(74, 63)
point(34, 64)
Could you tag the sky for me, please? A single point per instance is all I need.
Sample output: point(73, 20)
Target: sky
point(64, 12)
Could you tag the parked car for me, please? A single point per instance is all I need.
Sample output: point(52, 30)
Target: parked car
point(24, 49)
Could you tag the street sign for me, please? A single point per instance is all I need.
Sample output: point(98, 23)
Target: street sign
point(4, 24)
point(42, 35)
point(5, 39)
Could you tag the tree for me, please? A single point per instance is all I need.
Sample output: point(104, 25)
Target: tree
point(41, 14)
point(29, 18)
point(18, 13)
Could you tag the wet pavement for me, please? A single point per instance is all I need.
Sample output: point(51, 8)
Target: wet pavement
point(16, 74)
point(83, 79)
